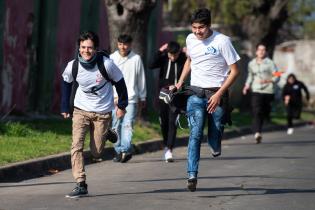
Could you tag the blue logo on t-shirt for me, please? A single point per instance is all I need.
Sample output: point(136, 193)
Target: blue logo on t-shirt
point(211, 50)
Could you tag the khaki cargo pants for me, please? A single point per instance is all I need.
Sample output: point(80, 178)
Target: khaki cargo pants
point(82, 122)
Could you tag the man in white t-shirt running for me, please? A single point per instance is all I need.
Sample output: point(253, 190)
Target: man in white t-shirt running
point(93, 103)
point(212, 63)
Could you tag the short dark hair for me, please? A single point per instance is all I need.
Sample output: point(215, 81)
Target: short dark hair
point(173, 47)
point(89, 35)
point(202, 16)
point(261, 44)
point(124, 38)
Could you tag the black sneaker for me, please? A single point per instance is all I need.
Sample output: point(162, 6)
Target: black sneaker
point(191, 184)
point(216, 154)
point(125, 157)
point(79, 191)
point(111, 135)
point(117, 158)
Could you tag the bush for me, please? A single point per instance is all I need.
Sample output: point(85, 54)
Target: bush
point(15, 129)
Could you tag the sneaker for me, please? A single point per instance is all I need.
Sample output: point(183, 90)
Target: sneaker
point(117, 158)
point(125, 157)
point(168, 156)
point(258, 138)
point(79, 191)
point(290, 131)
point(192, 183)
point(111, 135)
point(214, 153)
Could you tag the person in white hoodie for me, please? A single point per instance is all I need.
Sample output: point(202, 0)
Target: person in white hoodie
point(132, 68)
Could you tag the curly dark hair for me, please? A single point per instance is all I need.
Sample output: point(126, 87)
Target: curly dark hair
point(89, 35)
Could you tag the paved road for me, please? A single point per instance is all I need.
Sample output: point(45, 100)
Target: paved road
point(277, 174)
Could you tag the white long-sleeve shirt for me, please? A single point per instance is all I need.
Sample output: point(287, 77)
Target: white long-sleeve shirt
point(132, 69)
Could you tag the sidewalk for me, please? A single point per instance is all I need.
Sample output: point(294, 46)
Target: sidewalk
point(51, 164)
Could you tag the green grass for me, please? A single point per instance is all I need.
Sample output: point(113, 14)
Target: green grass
point(38, 138)
point(26, 140)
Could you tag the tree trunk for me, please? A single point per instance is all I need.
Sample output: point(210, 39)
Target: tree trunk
point(264, 24)
point(129, 17)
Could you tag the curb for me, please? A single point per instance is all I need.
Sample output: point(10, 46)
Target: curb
point(54, 163)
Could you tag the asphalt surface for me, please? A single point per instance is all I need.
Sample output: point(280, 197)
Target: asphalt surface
point(277, 174)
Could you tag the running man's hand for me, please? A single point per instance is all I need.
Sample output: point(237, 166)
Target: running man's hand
point(286, 100)
point(213, 102)
point(163, 47)
point(245, 89)
point(120, 113)
point(179, 85)
point(65, 115)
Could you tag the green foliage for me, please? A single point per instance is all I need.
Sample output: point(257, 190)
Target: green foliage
point(15, 129)
point(233, 12)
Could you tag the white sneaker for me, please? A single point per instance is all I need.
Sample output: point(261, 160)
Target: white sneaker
point(168, 156)
point(290, 131)
point(258, 137)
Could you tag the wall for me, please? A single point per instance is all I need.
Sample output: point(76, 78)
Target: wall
point(297, 57)
point(37, 39)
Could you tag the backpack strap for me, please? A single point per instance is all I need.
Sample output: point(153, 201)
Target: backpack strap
point(75, 84)
point(102, 69)
point(75, 67)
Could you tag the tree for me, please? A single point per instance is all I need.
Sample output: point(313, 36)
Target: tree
point(255, 20)
point(129, 17)
point(264, 22)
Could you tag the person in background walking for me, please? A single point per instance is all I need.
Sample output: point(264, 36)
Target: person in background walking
point(132, 69)
point(170, 61)
point(261, 81)
point(292, 97)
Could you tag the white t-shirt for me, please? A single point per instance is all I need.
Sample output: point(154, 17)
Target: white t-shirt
point(210, 59)
point(102, 101)
point(132, 68)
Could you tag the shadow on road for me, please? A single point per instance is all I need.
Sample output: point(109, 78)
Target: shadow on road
point(33, 184)
point(246, 191)
point(222, 177)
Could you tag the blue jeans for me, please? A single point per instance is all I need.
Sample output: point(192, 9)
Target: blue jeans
point(124, 128)
point(196, 113)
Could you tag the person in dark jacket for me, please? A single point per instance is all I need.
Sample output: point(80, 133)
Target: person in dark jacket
point(292, 97)
point(170, 60)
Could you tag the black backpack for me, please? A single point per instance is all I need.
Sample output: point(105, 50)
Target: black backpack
point(75, 67)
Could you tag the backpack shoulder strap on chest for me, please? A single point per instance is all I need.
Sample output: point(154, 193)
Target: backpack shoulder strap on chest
point(75, 67)
point(102, 69)
point(75, 84)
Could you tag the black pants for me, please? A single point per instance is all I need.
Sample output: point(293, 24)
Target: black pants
point(293, 112)
point(168, 125)
point(261, 108)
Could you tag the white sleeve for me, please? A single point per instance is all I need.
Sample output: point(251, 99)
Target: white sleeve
point(67, 73)
point(141, 80)
point(229, 53)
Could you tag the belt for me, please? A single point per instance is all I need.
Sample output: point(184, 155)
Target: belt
point(92, 112)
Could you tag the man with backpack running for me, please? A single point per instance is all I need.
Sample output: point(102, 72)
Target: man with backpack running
point(90, 78)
